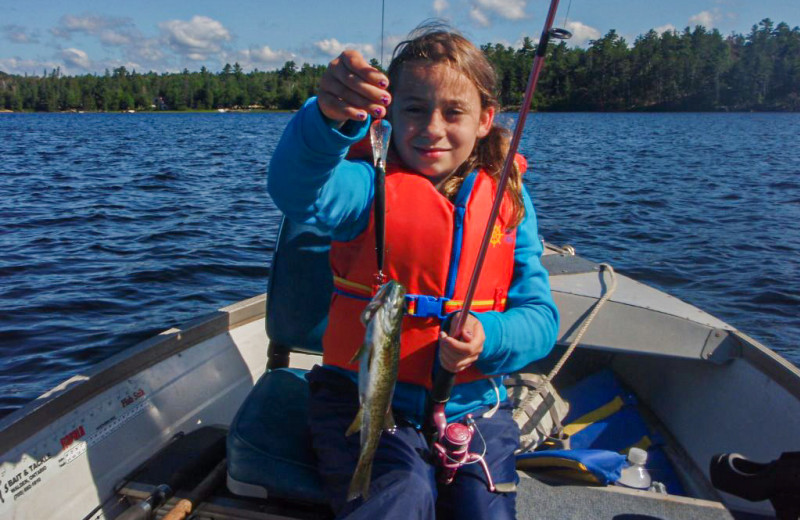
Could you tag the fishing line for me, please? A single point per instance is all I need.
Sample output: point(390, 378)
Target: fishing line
point(383, 11)
point(566, 16)
point(490, 413)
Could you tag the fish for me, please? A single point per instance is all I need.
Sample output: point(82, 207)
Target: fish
point(378, 358)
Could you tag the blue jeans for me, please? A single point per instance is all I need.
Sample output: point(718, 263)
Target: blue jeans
point(404, 482)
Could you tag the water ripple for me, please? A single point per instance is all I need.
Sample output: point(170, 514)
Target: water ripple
point(116, 227)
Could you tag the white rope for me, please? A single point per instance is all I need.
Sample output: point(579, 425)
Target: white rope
point(542, 389)
point(588, 321)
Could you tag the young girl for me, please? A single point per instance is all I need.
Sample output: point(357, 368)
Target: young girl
point(445, 160)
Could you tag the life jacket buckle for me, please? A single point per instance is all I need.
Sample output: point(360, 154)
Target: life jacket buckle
point(424, 306)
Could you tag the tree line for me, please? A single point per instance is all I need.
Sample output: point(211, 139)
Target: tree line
point(695, 69)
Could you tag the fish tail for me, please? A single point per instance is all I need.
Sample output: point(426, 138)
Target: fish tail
point(359, 484)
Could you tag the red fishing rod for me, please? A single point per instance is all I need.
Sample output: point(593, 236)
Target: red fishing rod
point(453, 440)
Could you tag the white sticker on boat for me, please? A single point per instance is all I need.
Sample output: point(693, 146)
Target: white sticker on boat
point(105, 429)
point(66, 440)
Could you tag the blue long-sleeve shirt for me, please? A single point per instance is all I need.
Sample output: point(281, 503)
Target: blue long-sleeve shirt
point(311, 182)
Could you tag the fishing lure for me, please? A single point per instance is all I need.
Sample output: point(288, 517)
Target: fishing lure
point(379, 134)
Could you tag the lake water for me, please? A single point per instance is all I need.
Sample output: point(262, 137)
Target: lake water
point(114, 227)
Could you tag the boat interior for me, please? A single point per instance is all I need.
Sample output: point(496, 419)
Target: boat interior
point(212, 413)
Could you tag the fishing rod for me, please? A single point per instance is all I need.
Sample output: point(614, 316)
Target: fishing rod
point(443, 384)
point(380, 132)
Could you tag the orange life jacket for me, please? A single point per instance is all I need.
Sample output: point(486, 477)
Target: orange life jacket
point(431, 248)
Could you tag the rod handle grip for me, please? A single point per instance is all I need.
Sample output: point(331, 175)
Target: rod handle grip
point(442, 386)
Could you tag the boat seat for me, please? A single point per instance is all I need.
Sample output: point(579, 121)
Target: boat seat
point(269, 445)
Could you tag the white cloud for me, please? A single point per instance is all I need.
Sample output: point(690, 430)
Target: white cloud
point(665, 28)
point(75, 58)
point(439, 6)
point(31, 67)
point(19, 34)
point(581, 33)
point(116, 39)
point(88, 24)
point(260, 57)
point(111, 31)
point(266, 55)
point(148, 52)
point(197, 39)
point(482, 10)
point(479, 17)
point(389, 43)
point(704, 18)
point(332, 47)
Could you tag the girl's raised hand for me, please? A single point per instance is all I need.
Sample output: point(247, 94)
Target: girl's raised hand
point(350, 88)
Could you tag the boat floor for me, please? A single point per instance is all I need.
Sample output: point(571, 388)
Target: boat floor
point(537, 498)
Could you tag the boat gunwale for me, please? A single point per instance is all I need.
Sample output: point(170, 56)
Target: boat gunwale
point(26, 421)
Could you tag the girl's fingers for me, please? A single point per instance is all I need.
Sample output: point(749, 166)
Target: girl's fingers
point(337, 109)
point(353, 98)
point(350, 79)
point(355, 82)
point(472, 327)
point(351, 88)
point(358, 65)
point(455, 355)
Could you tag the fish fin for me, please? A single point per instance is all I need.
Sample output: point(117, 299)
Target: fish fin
point(359, 484)
point(389, 422)
point(359, 353)
point(356, 424)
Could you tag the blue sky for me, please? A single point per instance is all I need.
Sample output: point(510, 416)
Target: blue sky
point(89, 36)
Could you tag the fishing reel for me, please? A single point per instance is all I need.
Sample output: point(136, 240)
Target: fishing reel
point(450, 442)
point(452, 450)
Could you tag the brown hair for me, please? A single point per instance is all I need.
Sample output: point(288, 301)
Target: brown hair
point(435, 42)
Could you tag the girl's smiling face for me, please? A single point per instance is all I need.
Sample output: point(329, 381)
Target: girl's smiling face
point(436, 118)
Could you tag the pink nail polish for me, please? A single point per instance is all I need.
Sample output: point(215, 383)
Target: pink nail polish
point(362, 115)
point(382, 83)
point(378, 112)
point(385, 100)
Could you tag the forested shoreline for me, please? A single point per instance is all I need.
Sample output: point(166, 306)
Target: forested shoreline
point(691, 70)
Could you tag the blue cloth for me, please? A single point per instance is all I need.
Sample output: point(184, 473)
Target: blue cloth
point(602, 466)
point(403, 479)
point(312, 183)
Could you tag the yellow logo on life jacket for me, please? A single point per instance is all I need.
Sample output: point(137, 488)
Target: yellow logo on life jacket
point(497, 235)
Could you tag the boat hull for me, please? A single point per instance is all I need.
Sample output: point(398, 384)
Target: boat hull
point(711, 388)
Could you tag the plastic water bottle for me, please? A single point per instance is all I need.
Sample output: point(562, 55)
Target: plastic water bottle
point(635, 475)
